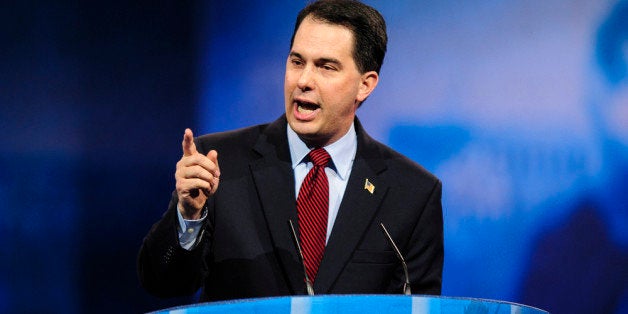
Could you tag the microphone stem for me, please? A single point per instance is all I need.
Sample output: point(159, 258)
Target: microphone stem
point(406, 284)
point(309, 288)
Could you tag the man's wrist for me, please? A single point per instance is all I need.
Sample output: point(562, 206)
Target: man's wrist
point(190, 214)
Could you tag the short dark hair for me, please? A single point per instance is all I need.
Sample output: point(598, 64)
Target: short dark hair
point(366, 24)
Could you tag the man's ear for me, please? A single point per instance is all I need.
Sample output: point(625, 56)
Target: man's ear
point(368, 82)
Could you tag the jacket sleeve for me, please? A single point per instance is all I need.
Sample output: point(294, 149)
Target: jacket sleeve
point(166, 269)
point(425, 251)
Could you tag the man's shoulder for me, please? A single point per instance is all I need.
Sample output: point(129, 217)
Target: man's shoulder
point(275, 129)
point(242, 138)
point(230, 135)
point(402, 168)
point(399, 164)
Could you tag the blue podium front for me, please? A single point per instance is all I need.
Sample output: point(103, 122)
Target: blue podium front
point(362, 304)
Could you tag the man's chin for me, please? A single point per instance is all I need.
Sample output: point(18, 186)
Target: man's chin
point(303, 127)
point(307, 132)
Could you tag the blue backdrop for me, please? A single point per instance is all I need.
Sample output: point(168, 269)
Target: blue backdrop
point(520, 107)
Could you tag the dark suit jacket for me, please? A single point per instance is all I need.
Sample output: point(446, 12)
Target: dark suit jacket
point(246, 249)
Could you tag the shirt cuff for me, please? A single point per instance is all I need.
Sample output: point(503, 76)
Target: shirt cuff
point(189, 230)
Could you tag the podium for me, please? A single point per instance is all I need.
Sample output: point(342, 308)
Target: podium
point(362, 304)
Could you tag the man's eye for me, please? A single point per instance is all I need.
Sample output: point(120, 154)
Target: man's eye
point(329, 67)
point(297, 62)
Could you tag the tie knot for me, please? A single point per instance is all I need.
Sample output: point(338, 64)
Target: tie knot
point(319, 157)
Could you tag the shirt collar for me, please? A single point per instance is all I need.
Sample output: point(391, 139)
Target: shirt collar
point(342, 151)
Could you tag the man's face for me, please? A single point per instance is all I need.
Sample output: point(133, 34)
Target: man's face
point(323, 86)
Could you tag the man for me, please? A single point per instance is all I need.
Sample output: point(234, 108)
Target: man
point(226, 228)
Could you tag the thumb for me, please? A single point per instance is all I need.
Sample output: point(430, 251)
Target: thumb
point(189, 148)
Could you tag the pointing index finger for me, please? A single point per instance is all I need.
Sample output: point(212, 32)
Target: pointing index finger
point(189, 148)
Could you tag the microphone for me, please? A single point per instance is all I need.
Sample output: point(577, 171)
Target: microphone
point(406, 285)
point(308, 284)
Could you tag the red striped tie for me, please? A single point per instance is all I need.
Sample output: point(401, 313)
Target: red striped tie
point(312, 210)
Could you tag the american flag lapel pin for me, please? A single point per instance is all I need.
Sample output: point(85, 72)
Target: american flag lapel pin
point(369, 186)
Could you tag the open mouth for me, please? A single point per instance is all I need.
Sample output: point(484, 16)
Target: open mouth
point(306, 107)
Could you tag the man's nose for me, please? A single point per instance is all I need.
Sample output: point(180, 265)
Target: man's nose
point(306, 79)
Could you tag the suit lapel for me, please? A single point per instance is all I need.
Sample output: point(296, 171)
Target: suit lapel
point(270, 172)
point(356, 212)
point(355, 215)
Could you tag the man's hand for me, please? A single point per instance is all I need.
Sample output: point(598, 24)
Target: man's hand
point(197, 177)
